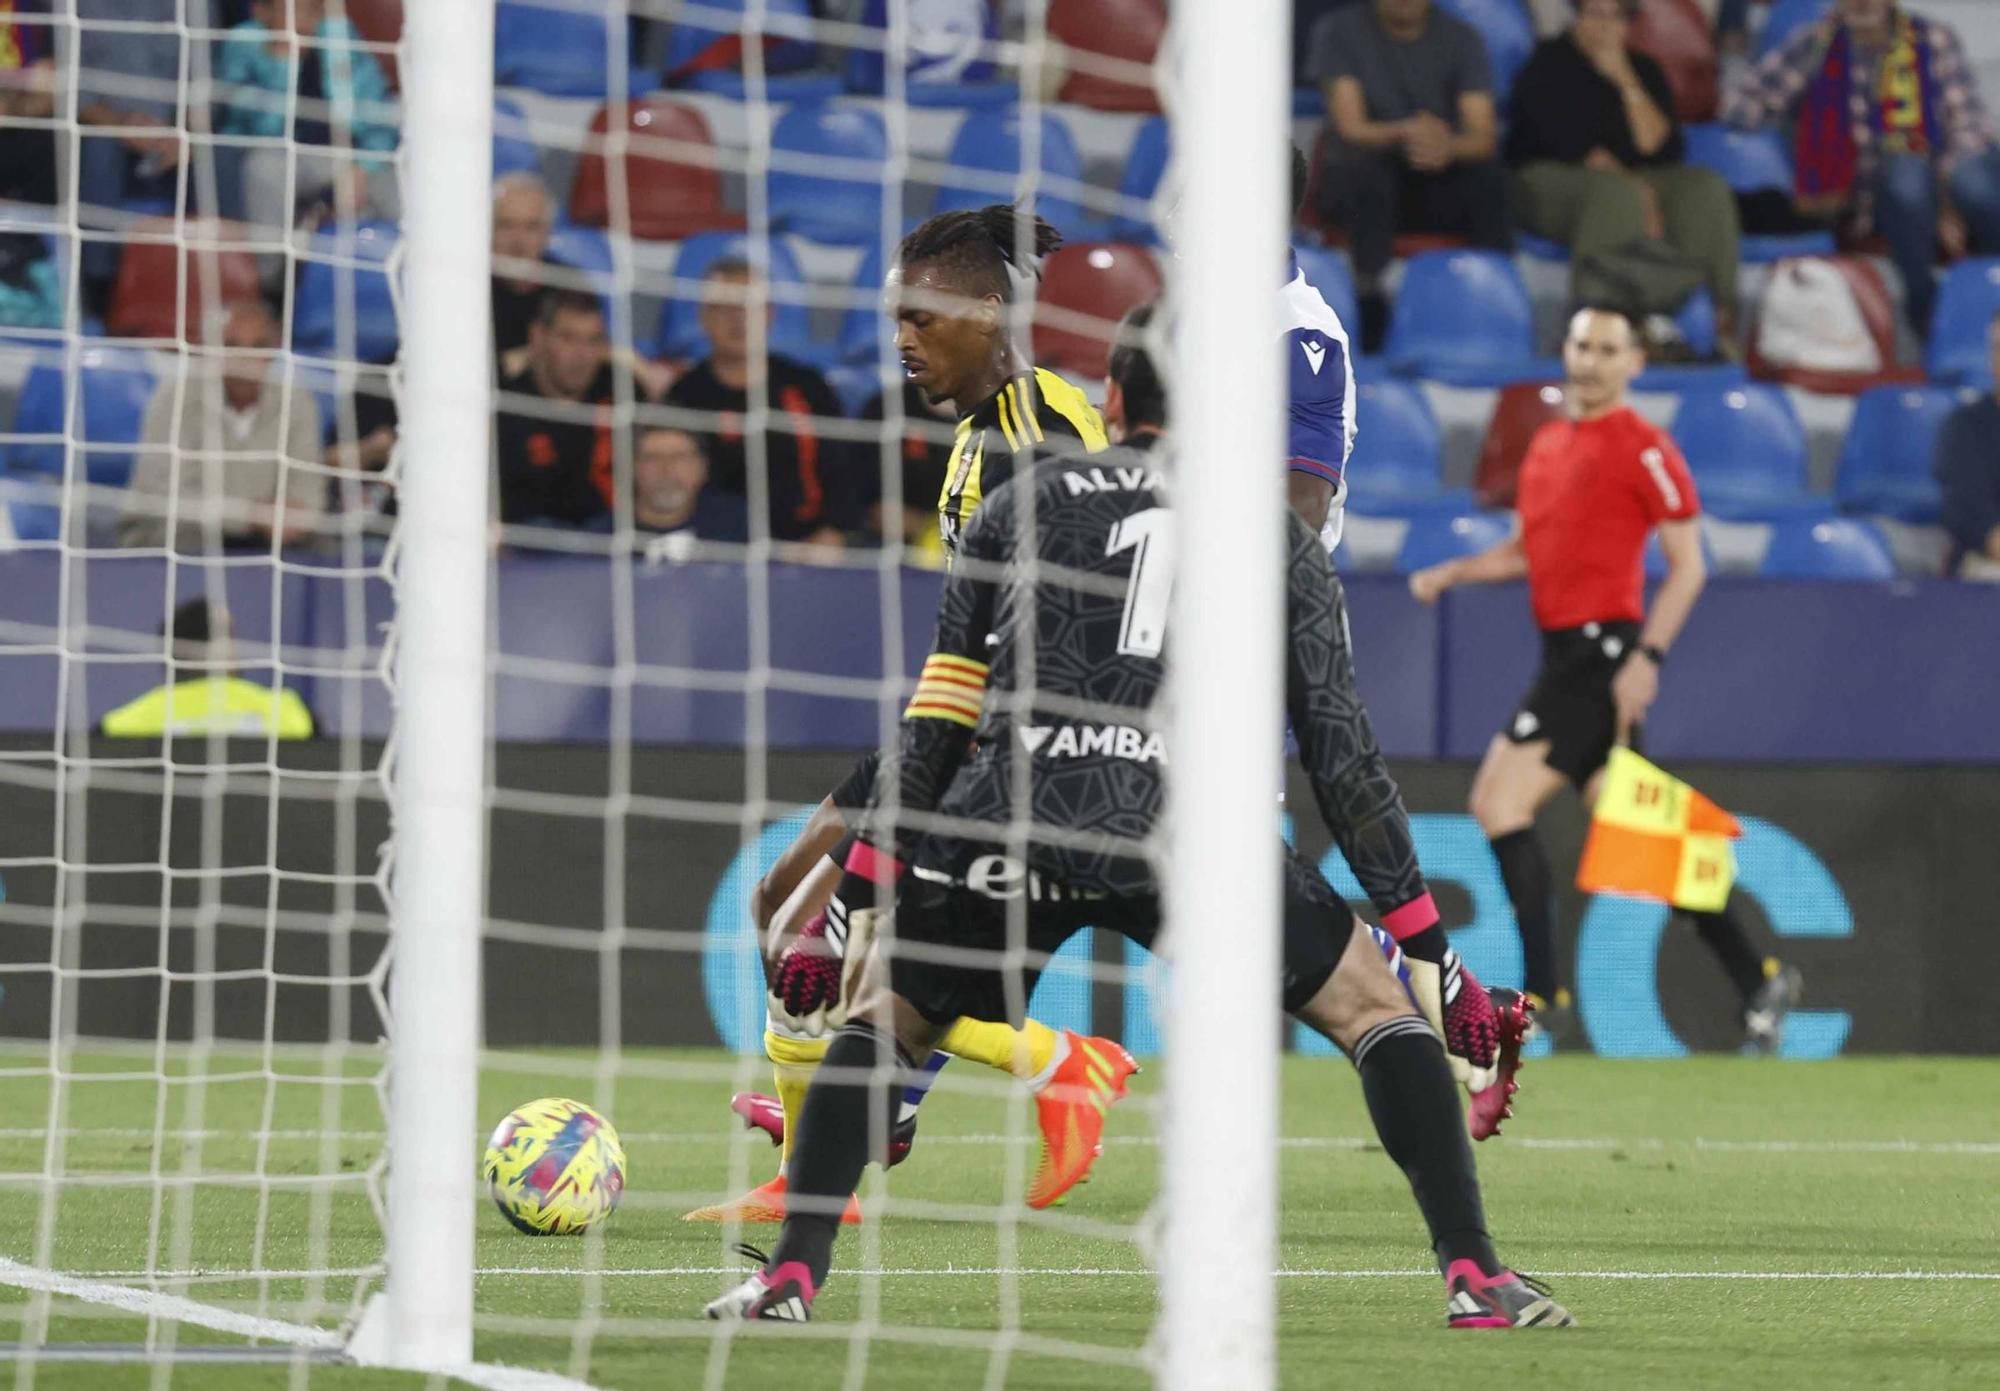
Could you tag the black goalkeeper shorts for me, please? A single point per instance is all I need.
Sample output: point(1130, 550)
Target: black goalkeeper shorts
point(1570, 702)
point(971, 940)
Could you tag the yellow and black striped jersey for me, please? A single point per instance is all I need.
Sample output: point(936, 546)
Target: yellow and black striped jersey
point(1033, 412)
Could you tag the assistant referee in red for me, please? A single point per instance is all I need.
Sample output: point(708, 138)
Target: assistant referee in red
point(1592, 488)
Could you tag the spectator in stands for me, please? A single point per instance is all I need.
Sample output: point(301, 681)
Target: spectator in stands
point(129, 56)
point(524, 214)
point(1967, 463)
point(294, 77)
point(208, 697)
point(1597, 154)
point(912, 521)
point(803, 468)
point(670, 492)
point(1414, 139)
point(27, 93)
point(553, 437)
point(229, 456)
point(1889, 132)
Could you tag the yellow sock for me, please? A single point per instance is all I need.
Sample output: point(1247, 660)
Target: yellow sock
point(1025, 1052)
point(793, 1062)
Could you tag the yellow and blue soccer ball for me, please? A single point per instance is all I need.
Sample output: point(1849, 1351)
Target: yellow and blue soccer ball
point(554, 1167)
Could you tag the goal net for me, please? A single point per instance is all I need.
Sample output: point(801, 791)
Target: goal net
point(460, 519)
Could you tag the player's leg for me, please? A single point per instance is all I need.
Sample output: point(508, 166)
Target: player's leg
point(1340, 985)
point(1514, 782)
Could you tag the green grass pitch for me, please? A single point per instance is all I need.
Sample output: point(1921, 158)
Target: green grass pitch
point(1703, 1218)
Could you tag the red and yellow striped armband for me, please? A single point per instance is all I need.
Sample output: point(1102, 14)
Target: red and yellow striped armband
point(949, 689)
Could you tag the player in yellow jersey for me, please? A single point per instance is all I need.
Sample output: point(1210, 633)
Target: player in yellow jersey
point(951, 292)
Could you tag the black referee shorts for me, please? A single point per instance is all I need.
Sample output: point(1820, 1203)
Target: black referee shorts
point(1570, 702)
point(972, 940)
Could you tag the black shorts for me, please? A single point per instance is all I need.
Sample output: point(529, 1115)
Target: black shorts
point(973, 941)
point(1570, 702)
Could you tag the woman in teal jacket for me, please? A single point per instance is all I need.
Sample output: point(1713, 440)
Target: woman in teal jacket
point(297, 80)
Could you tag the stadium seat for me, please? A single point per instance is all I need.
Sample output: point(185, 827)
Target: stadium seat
point(1827, 548)
point(866, 335)
point(1144, 165)
point(379, 22)
point(681, 337)
point(1522, 409)
point(1748, 161)
point(1786, 16)
point(33, 509)
point(1747, 451)
point(1678, 36)
point(1968, 300)
point(1086, 289)
point(514, 150)
point(336, 255)
point(715, 45)
point(117, 385)
point(947, 66)
point(1397, 468)
point(1885, 465)
point(844, 203)
point(1509, 36)
point(1463, 317)
point(1434, 538)
point(1327, 272)
point(558, 49)
point(164, 273)
point(1122, 31)
point(988, 146)
point(673, 178)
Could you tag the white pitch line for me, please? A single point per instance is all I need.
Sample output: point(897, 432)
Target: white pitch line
point(654, 1272)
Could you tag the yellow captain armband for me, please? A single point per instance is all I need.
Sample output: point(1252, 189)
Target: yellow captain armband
point(949, 689)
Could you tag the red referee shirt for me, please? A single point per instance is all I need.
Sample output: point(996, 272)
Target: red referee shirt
point(1590, 493)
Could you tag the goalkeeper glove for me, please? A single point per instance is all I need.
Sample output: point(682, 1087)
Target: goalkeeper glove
point(1459, 1008)
point(810, 984)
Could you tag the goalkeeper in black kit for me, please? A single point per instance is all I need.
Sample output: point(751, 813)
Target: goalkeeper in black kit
point(1055, 609)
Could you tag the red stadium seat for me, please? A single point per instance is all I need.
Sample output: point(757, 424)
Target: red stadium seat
point(1086, 289)
point(157, 278)
point(673, 176)
point(379, 21)
point(1676, 36)
point(1126, 30)
point(1522, 409)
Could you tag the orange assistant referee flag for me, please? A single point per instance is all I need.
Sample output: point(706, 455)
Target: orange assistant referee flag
point(1653, 836)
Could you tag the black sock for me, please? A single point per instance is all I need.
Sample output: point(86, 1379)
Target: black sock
point(844, 1123)
point(1724, 934)
point(1414, 1103)
point(1524, 869)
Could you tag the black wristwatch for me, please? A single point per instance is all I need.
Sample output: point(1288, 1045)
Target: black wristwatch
point(1655, 653)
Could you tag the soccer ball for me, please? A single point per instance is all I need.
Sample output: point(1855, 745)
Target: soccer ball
point(554, 1167)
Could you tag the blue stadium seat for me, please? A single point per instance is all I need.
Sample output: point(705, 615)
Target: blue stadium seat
point(514, 150)
point(711, 46)
point(562, 51)
point(336, 255)
point(32, 511)
point(843, 205)
point(951, 74)
point(989, 143)
point(117, 385)
point(1747, 451)
point(1885, 466)
point(1463, 317)
point(1509, 35)
point(1827, 548)
point(1434, 538)
point(1397, 468)
point(1327, 272)
point(680, 335)
point(1967, 302)
point(866, 335)
point(1786, 16)
point(1749, 160)
point(1144, 164)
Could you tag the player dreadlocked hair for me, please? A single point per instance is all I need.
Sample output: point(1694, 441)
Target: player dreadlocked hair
point(980, 245)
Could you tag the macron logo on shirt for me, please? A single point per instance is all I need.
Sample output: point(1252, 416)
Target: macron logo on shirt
point(1315, 355)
